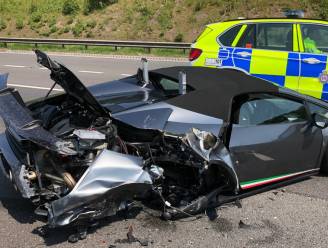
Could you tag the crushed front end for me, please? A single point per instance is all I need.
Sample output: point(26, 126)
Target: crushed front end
point(77, 163)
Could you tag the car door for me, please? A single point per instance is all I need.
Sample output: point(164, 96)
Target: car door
point(313, 57)
point(273, 139)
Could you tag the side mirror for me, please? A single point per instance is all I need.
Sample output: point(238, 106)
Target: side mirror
point(320, 121)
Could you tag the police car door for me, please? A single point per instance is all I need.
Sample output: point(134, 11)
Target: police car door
point(266, 51)
point(313, 56)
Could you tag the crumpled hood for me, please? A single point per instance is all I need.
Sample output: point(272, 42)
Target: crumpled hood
point(124, 94)
point(142, 107)
point(166, 117)
point(71, 84)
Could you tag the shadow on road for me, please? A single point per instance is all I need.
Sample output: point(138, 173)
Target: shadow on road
point(22, 210)
point(59, 235)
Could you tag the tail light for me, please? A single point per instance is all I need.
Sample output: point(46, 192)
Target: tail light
point(194, 54)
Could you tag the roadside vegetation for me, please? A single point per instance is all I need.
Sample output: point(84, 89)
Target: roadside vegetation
point(156, 20)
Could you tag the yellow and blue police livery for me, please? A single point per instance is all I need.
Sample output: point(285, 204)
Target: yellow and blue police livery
point(290, 52)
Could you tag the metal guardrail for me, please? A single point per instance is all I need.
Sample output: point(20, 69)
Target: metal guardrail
point(147, 45)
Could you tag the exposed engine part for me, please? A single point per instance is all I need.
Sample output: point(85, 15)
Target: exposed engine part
point(53, 177)
point(86, 134)
point(67, 177)
point(31, 175)
point(156, 172)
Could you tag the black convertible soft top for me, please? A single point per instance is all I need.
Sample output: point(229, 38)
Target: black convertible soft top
point(214, 89)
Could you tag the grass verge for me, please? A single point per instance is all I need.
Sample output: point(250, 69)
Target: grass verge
point(101, 50)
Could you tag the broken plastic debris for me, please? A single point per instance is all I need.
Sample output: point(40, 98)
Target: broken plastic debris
point(238, 203)
point(73, 238)
point(131, 239)
point(42, 231)
point(243, 225)
point(130, 236)
point(211, 214)
point(82, 233)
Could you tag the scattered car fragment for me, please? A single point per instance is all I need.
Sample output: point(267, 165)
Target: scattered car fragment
point(183, 146)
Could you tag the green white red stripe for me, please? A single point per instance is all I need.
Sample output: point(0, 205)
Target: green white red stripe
point(263, 181)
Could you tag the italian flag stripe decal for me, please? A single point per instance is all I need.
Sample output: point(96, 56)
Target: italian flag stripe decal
point(259, 182)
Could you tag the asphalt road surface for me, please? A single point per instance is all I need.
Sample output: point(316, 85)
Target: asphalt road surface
point(295, 216)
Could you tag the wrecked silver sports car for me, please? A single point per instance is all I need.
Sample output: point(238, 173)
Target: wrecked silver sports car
point(183, 140)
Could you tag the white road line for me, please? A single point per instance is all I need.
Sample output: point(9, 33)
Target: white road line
point(43, 68)
point(15, 66)
point(125, 74)
point(93, 72)
point(33, 87)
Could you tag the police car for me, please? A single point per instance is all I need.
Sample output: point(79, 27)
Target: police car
point(290, 52)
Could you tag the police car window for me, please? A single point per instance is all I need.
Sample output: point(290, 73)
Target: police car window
point(270, 110)
point(275, 36)
point(228, 37)
point(248, 38)
point(315, 38)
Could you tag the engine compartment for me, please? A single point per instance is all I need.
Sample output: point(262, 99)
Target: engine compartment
point(180, 176)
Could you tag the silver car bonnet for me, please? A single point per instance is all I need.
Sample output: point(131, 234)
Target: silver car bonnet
point(166, 117)
point(110, 171)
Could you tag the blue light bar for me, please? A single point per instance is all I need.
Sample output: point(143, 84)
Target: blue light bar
point(294, 13)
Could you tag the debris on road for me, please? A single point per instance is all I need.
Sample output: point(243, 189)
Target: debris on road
point(238, 203)
point(73, 238)
point(242, 225)
point(211, 214)
point(131, 239)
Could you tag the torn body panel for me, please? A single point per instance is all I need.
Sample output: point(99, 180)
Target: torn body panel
point(14, 169)
point(214, 151)
point(22, 126)
point(112, 177)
